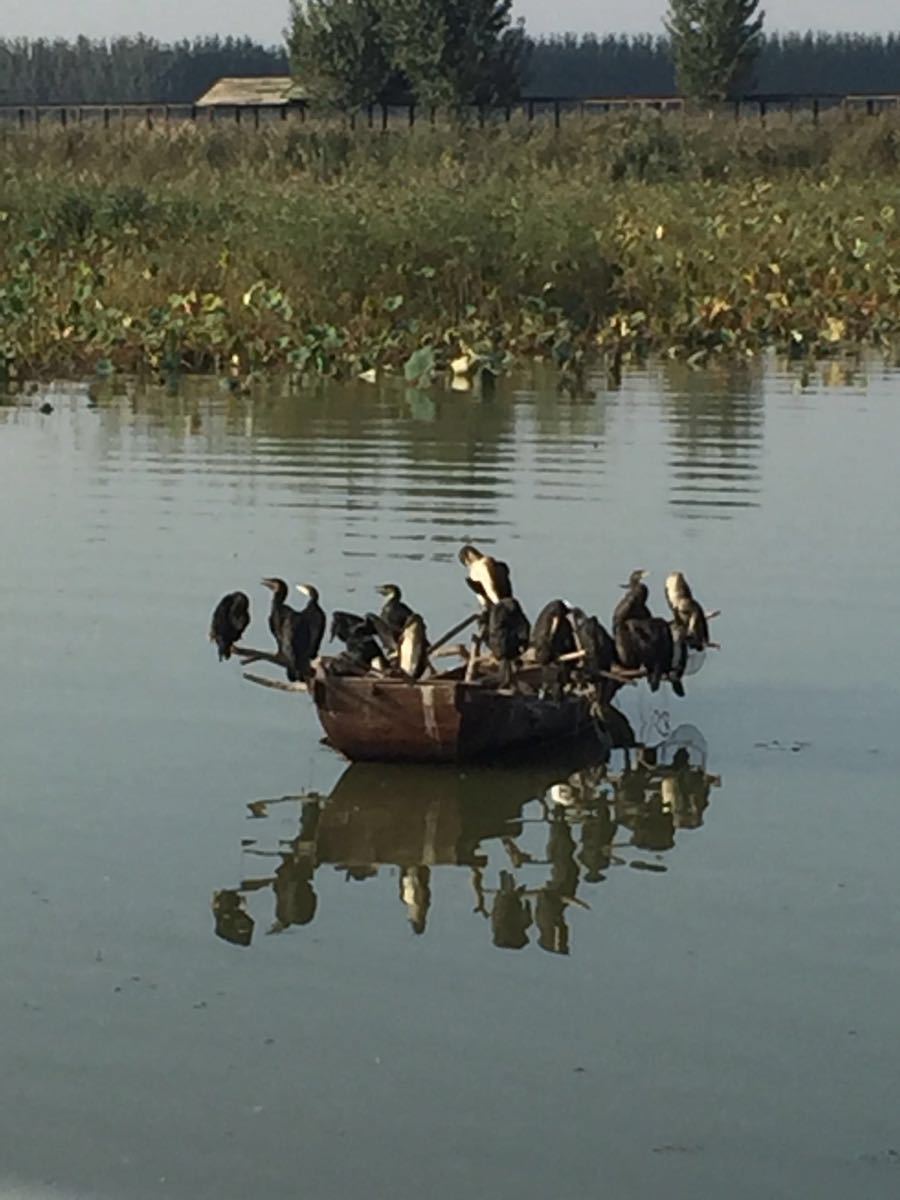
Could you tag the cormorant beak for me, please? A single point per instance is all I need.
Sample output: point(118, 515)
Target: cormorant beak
point(268, 583)
point(304, 588)
point(384, 589)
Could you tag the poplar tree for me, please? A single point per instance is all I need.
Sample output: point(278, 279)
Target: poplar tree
point(457, 52)
point(338, 51)
point(715, 44)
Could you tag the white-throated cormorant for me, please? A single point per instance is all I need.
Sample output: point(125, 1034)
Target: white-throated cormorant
point(488, 578)
point(688, 613)
point(412, 647)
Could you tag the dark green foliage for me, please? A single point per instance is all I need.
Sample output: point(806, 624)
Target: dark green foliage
point(715, 44)
point(338, 51)
point(457, 52)
point(126, 69)
point(141, 69)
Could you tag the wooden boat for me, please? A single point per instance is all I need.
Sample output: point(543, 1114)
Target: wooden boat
point(371, 719)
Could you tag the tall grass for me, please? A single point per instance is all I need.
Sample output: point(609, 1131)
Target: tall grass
point(324, 250)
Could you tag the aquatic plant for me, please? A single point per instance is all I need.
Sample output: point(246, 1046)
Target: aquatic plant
point(325, 252)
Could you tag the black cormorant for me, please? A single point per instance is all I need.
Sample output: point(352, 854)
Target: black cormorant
point(633, 605)
point(394, 612)
point(412, 647)
point(551, 634)
point(280, 607)
point(650, 644)
point(488, 578)
point(507, 634)
point(358, 635)
point(688, 613)
point(599, 650)
point(298, 634)
point(229, 621)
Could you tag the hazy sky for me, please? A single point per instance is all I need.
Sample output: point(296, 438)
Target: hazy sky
point(264, 19)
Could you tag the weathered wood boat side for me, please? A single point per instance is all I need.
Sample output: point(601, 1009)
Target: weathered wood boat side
point(443, 720)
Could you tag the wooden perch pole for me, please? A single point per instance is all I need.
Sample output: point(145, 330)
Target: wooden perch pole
point(277, 685)
point(442, 641)
point(246, 655)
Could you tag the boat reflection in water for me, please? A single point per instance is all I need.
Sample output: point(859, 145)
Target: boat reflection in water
point(532, 841)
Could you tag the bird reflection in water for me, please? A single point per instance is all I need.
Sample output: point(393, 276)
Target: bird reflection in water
point(531, 840)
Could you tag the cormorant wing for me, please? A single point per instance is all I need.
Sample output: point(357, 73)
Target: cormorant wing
point(383, 631)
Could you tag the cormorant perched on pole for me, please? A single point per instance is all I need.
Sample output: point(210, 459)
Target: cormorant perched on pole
point(650, 644)
point(229, 621)
point(314, 615)
point(358, 635)
point(507, 635)
point(488, 578)
point(298, 634)
point(394, 612)
point(599, 651)
point(279, 608)
point(688, 613)
point(551, 634)
point(412, 647)
point(633, 605)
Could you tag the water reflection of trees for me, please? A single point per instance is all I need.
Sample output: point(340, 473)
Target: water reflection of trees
point(715, 440)
point(534, 842)
point(452, 459)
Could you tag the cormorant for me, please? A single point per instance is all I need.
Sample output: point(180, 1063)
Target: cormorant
point(280, 607)
point(596, 643)
point(488, 578)
point(633, 605)
point(358, 635)
point(229, 621)
point(298, 634)
point(507, 634)
point(552, 635)
point(688, 613)
point(394, 612)
point(412, 647)
point(314, 615)
point(650, 644)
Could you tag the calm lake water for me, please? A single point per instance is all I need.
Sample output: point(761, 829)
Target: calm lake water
point(715, 1014)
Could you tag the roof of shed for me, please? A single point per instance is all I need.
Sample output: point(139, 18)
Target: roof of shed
point(252, 89)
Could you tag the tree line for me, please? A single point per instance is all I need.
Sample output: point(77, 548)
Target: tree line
point(140, 69)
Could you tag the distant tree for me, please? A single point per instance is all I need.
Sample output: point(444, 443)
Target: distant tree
point(456, 52)
point(338, 51)
point(715, 44)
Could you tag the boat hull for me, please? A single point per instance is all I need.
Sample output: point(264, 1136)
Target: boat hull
point(394, 720)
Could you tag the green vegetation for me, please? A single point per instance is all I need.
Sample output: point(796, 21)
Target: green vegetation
point(145, 70)
point(323, 252)
point(339, 53)
point(448, 53)
point(715, 44)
